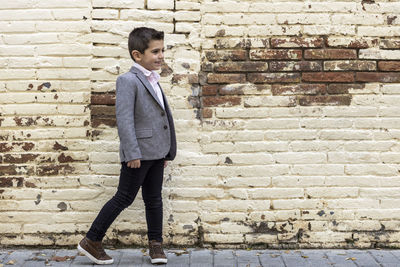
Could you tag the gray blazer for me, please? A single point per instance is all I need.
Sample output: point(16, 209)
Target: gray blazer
point(146, 131)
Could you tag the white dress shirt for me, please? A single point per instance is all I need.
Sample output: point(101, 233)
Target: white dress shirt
point(153, 78)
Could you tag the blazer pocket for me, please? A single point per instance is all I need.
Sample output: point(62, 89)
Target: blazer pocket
point(144, 133)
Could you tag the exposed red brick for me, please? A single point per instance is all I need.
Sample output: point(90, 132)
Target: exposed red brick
point(384, 77)
point(274, 77)
point(304, 89)
point(330, 54)
point(212, 101)
point(325, 100)
point(389, 65)
point(54, 169)
point(30, 184)
point(165, 70)
point(64, 159)
point(16, 170)
point(57, 146)
point(5, 147)
point(266, 54)
point(102, 110)
point(105, 120)
point(103, 99)
point(390, 19)
point(209, 89)
point(240, 66)
point(185, 78)
point(390, 44)
point(226, 78)
point(339, 88)
point(25, 121)
point(226, 55)
point(350, 65)
point(295, 66)
point(207, 113)
point(328, 76)
point(27, 146)
point(297, 42)
point(10, 181)
point(20, 158)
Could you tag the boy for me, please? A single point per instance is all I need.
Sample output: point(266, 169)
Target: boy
point(147, 139)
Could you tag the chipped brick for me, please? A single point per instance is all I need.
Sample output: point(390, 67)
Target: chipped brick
point(102, 99)
point(389, 44)
point(165, 70)
point(58, 146)
point(330, 54)
point(209, 89)
point(328, 77)
point(384, 77)
point(226, 78)
point(325, 100)
point(338, 88)
point(63, 158)
point(11, 181)
point(295, 66)
point(48, 170)
point(207, 113)
point(297, 89)
point(295, 42)
point(226, 55)
point(240, 66)
point(361, 65)
point(232, 89)
point(213, 101)
point(108, 121)
point(389, 65)
point(185, 78)
point(5, 147)
point(19, 158)
point(266, 54)
point(274, 77)
point(354, 43)
point(102, 110)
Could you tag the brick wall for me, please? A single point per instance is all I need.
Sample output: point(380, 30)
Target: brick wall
point(287, 120)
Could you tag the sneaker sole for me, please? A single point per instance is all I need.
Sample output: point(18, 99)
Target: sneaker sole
point(87, 254)
point(158, 261)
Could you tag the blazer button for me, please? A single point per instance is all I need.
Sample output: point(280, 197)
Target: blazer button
point(163, 113)
point(165, 127)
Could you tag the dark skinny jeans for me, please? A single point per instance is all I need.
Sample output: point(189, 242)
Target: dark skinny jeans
point(150, 177)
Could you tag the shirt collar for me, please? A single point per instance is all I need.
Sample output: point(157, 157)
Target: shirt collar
point(147, 72)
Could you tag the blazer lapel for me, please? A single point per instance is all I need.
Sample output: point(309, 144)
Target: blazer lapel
point(146, 84)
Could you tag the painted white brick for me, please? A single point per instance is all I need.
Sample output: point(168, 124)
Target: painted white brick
point(118, 3)
point(160, 4)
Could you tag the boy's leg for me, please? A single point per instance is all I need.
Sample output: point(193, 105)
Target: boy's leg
point(151, 192)
point(129, 183)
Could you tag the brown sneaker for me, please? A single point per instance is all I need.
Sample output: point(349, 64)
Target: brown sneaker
point(157, 255)
point(94, 251)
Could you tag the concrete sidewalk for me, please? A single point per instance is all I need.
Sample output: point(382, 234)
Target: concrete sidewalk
point(207, 257)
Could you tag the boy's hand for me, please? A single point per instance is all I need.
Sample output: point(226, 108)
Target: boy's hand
point(134, 163)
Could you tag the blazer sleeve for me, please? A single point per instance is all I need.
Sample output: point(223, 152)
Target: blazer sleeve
point(124, 109)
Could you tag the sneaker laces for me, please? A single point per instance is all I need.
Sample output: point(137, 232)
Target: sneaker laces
point(157, 249)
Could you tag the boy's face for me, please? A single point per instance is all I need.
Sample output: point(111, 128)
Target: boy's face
point(152, 57)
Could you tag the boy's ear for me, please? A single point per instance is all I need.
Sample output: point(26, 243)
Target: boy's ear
point(136, 55)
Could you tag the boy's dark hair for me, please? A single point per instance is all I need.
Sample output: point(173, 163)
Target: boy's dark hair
point(140, 38)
